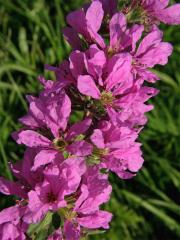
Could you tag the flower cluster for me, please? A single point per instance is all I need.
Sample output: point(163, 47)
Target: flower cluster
point(106, 80)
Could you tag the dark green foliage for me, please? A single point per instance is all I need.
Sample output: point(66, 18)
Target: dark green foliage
point(147, 207)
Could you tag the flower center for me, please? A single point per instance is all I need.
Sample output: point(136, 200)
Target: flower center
point(95, 158)
point(107, 98)
point(59, 143)
point(51, 197)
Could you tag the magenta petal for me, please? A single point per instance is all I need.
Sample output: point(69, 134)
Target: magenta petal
point(109, 6)
point(87, 86)
point(152, 39)
point(95, 61)
point(77, 63)
point(31, 139)
point(80, 148)
point(72, 38)
point(37, 209)
point(71, 231)
point(96, 220)
point(120, 75)
point(136, 33)
point(135, 161)
point(56, 235)
point(9, 214)
point(97, 138)
point(170, 15)
point(78, 128)
point(58, 111)
point(94, 16)
point(29, 121)
point(12, 188)
point(117, 27)
point(82, 198)
point(44, 157)
point(77, 20)
point(157, 55)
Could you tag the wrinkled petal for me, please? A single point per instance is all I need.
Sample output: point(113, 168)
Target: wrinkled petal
point(98, 139)
point(78, 128)
point(157, 55)
point(12, 188)
point(170, 15)
point(94, 16)
point(117, 27)
point(44, 157)
point(71, 231)
point(80, 148)
point(77, 20)
point(120, 76)
point(56, 235)
point(31, 139)
point(95, 60)
point(72, 38)
point(96, 220)
point(136, 33)
point(109, 6)
point(152, 39)
point(77, 63)
point(87, 86)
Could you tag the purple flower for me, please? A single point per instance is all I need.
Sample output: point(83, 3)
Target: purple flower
point(151, 50)
point(59, 181)
point(117, 148)
point(87, 23)
point(65, 166)
point(132, 107)
point(47, 120)
point(116, 81)
point(158, 10)
point(11, 224)
point(94, 191)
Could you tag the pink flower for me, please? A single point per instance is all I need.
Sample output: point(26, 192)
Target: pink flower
point(47, 120)
point(151, 50)
point(132, 107)
point(11, 224)
point(94, 191)
point(59, 181)
point(117, 148)
point(158, 10)
point(87, 23)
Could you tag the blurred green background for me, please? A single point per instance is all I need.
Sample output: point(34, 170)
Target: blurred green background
point(146, 207)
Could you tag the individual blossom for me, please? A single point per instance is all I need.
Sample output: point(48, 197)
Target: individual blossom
point(150, 52)
point(47, 122)
point(87, 23)
point(59, 182)
point(155, 11)
point(94, 191)
point(11, 224)
point(116, 149)
point(133, 107)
